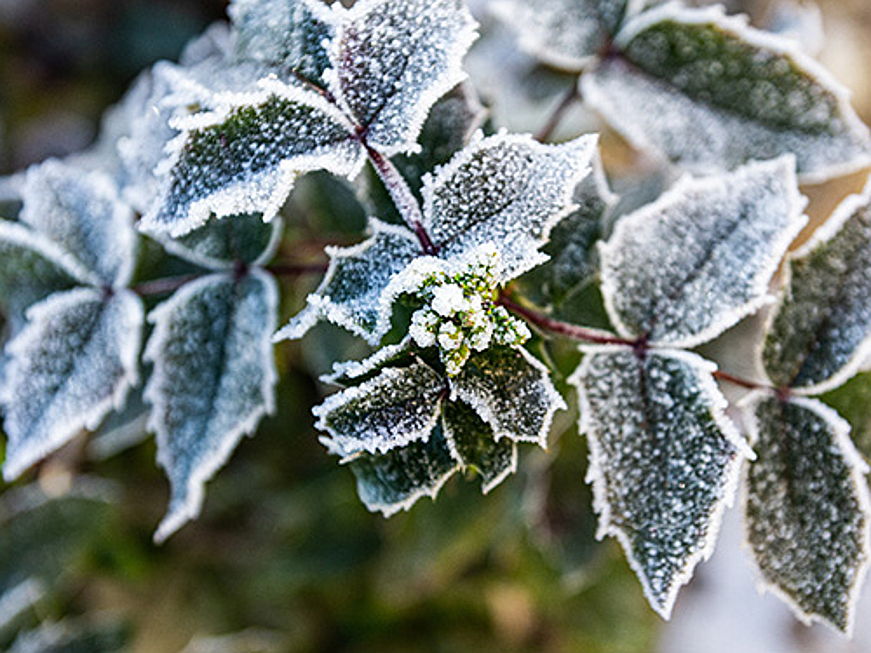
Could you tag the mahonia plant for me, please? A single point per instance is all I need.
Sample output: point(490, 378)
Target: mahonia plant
point(481, 244)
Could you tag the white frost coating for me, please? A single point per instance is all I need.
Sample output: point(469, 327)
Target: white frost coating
point(507, 189)
point(593, 426)
point(693, 263)
point(392, 410)
point(252, 173)
point(357, 369)
point(655, 116)
point(487, 486)
point(512, 392)
point(83, 213)
point(74, 362)
point(354, 292)
point(192, 352)
point(18, 235)
point(393, 60)
point(840, 430)
point(567, 34)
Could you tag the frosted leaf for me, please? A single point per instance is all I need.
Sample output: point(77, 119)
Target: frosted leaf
point(393, 60)
point(222, 243)
point(72, 364)
point(352, 294)
point(807, 509)
point(350, 372)
point(31, 268)
point(216, 41)
point(83, 214)
point(399, 406)
point(472, 444)
point(287, 36)
point(664, 460)
point(573, 260)
point(508, 190)
point(245, 156)
point(821, 333)
point(511, 391)
point(213, 381)
point(685, 268)
point(564, 33)
point(711, 93)
point(394, 481)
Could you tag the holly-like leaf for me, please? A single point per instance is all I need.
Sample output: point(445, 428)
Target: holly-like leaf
point(399, 406)
point(393, 60)
point(395, 480)
point(821, 333)
point(82, 214)
point(573, 263)
point(472, 443)
point(511, 391)
point(506, 189)
point(222, 244)
point(567, 34)
point(287, 37)
point(69, 367)
point(213, 380)
point(355, 372)
point(245, 155)
point(664, 460)
point(683, 269)
point(353, 292)
point(807, 508)
point(32, 268)
point(710, 93)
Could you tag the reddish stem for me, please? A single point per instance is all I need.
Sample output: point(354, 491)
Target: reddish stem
point(563, 328)
point(737, 380)
point(559, 113)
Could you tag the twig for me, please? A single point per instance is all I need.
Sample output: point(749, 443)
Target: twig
point(559, 113)
point(571, 331)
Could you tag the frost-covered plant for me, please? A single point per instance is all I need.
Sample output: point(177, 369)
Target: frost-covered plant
point(482, 247)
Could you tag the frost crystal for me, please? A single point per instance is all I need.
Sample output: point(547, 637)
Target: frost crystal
point(709, 92)
point(664, 460)
point(682, 270)
point(563, 33)
point(821, 332)
point(807, 508)
point(70, 366)
point(213, 380)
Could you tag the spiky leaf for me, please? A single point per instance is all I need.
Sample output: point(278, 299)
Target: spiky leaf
point(564, 33)
point(395, 480)
point(687, 267)
point(393, 60)
point(807, 508)
point(473, 445)
point(709, 93)
point(82, 213)
point(352, 294)
point(506, 189)
point(69, 367)
point(244, 156)
point(821, 332)
point(397, 407)
point(213, 380)
point(663, 460)
point(511, 391)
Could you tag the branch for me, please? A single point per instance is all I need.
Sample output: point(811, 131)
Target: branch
point(559, 112)
point(571, 331)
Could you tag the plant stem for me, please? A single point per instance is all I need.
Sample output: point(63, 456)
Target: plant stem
point(163, 286)
point(559, 112)
point(571, 331)
point(737, 380)
point(295, 269)
point(405, 201)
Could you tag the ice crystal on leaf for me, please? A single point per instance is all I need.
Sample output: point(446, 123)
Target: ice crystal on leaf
point(213, 379)
point(807, 508)
point(504, 192)
point(664, 459)
point(820, 334)
point(76, 329)
point(389, 63)
point(682, 270)
point(404, 427)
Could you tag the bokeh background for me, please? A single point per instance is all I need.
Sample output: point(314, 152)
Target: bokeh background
point(284, 557)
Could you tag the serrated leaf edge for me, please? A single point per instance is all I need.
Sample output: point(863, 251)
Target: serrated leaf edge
point(357, 369)
point(206, 470)
point(858, 469)
point(596, 478)
point(486, 488)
